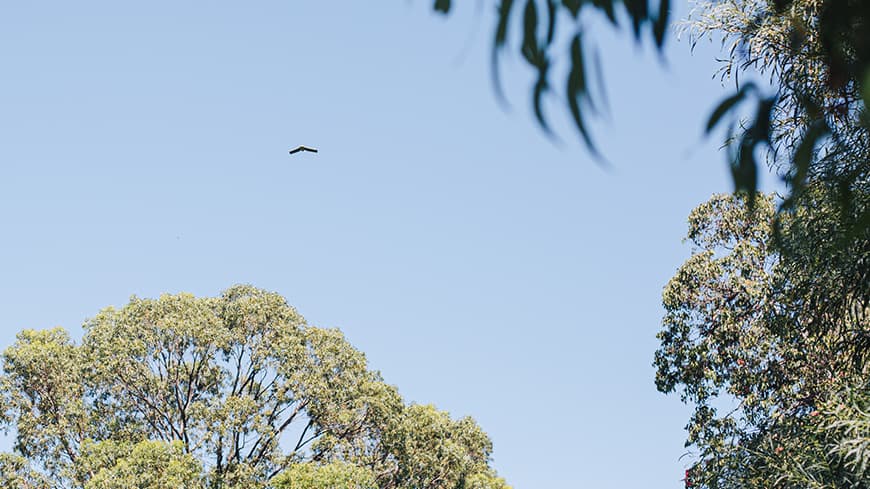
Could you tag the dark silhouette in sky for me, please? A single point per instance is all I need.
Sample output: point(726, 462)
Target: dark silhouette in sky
point(302, 148)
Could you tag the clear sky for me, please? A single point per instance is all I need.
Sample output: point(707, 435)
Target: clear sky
point(480, 266)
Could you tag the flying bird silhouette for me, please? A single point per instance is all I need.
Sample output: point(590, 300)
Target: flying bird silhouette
point(302, 148)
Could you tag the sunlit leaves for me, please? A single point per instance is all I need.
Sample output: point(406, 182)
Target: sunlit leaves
point(228, 392)
point(434, 451)
point(155, 465)
point(326, 476)
point(816, 130)
point(762, 344)
point(15, 471)
point(44, 393)
point(848, 415)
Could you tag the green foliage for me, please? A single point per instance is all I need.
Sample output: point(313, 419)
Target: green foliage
point(848, 419)
point(148, 464)
point(771, 344)
point(486, 480)
point(234, 392)
point(434, 451)
point(336, 475)
point(43, 394)
point(771, 348)
point(816, 124)
point(540, 42)
point(817, 53)
point(15, 471)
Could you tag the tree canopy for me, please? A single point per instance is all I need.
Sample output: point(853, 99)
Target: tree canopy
point(770, 349)
point(235, 391)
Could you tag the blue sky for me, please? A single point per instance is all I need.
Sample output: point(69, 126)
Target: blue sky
point(480, 266)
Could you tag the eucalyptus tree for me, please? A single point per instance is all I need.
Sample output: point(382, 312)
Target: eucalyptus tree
point(772, 353)
point(235, 391)
point(769, 317)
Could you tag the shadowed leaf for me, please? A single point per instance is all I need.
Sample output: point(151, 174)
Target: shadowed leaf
point(607, 7)
point(530, 27)
point(537, 102)
point(602, 87)
point(577, 90)
point(725, 106)
point(661, 22)
point(638, 10)
point(761, 127)
point(501, 30)
point(573, 6)
point(551, 20)
point(744, 169)
point(865, 88)
point(442, 6)
point(803, 155)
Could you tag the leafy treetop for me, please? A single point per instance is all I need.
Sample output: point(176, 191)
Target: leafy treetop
point(235, 391)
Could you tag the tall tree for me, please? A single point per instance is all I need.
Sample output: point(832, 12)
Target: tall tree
point(235, 391)
point(801, 384)
point(771, 352)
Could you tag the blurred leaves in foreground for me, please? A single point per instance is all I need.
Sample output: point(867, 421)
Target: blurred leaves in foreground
point(814, 126)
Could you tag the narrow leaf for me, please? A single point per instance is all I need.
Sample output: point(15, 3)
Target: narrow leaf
point(552, 12)
point(723, 108)
point(865, 88)
point(538, 100)
point(530, 28)
point(504, 12)
point(576, 90)
point(573, 6)
point(803, 155)
point(442, 6)
point(607, 7)
point(660, 26)
point(744, 169)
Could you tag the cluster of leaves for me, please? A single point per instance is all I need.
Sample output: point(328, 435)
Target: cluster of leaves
point(817, 53)
point(771, 349)
point(816, 126)
point(234, 392)
point(793, 355)
point(542, 36)
point(767, 326)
